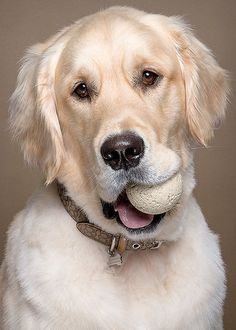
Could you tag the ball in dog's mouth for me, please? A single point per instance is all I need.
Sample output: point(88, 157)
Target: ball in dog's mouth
point(128, 216)
point(141, 207)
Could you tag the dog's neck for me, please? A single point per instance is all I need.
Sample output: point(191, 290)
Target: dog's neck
point(117, 243)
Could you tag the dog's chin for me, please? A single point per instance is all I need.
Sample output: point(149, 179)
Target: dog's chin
point(128, 217)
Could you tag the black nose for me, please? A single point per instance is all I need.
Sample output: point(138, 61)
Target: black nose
point(123, 151)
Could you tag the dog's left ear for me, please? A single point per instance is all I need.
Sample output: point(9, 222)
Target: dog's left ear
point(206, 83)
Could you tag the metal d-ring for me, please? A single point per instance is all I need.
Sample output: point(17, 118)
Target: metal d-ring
point(112, 247)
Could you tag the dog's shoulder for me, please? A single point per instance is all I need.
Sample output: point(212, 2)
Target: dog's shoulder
point(39, 208)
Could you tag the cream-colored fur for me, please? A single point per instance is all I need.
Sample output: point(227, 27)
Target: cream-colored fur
point(52, 276)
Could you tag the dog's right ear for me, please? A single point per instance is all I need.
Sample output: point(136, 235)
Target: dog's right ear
point(33, 115)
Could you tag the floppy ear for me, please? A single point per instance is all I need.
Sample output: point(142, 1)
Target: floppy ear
point(206, 84)
point(33, 116)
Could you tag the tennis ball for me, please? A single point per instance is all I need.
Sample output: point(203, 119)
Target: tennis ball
point(156, 199)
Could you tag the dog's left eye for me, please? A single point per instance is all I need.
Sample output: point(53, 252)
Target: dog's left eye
point(81, 91)
point(149, 78)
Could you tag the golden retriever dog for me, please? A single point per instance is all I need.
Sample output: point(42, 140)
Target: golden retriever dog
point(119, 97)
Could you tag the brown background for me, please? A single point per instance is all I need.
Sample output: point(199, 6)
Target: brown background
point(25, 22)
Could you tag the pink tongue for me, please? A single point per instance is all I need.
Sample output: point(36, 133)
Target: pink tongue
point(131, 217)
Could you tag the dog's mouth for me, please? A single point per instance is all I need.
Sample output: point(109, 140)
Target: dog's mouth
point(129, 217)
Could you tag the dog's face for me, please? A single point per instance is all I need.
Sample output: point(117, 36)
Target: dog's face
point(117, 99)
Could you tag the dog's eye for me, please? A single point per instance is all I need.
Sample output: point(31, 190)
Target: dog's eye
point(149, 78)
point(81, 91)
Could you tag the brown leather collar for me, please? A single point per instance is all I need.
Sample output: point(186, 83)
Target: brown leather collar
point(116, 243)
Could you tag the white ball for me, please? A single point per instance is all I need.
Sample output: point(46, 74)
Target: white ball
point(156, 199)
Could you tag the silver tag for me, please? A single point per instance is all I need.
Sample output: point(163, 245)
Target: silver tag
point(115, 260)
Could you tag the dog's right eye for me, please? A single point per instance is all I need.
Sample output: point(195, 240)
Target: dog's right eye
point(81, 91)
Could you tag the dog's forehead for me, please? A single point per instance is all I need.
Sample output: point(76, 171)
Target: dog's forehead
point(103, 40)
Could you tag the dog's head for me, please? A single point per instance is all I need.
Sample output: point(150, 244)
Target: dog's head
point(117, 97)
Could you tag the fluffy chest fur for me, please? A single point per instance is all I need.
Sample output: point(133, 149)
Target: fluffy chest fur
point(61, 279)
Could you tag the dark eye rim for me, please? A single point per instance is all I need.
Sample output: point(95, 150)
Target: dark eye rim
point(156, 77)
point(76, 94)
